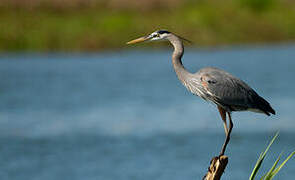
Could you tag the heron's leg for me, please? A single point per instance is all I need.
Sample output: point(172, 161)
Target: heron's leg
point(230, 127)
point(222, 113)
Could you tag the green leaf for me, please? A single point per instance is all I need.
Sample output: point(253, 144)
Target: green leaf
point(267, 176)
point(283, 163)
point(261, 158)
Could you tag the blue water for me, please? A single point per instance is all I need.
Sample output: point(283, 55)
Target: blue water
point(124, 115)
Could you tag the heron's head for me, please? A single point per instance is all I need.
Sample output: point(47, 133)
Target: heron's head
point(155, 36)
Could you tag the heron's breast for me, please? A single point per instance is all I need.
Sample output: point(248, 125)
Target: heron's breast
point(196, 88)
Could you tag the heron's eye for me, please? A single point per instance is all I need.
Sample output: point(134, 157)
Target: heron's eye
point(156, 35)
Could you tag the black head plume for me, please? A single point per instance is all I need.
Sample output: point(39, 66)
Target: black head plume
point(163, 32)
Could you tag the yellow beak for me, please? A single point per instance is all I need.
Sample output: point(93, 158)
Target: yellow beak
point(141, 39)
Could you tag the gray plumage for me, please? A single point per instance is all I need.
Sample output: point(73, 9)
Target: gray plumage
point(212, 84)
point(227, 91)
point(216, 85)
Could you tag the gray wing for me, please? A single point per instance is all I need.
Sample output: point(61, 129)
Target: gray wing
point(230, 92)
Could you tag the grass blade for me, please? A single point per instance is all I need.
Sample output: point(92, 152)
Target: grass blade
point(261, 158)
point(283, 163)
point(267, 176)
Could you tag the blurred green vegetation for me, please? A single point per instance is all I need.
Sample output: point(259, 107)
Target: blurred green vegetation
point(91, 25)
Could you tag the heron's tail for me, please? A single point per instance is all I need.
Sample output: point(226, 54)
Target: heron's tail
point(264, 106)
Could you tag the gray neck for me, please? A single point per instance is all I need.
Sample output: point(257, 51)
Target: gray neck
point(176, 58)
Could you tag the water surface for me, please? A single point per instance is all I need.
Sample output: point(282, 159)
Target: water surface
point(125, 115)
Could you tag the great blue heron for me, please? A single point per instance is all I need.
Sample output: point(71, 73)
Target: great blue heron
point(212, 84)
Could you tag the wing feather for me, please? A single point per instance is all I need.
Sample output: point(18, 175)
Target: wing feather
point(226, 90)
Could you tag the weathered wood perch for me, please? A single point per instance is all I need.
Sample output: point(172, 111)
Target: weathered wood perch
point(216, 168)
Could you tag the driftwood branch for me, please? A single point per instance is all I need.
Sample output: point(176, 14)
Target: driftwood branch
point(216, 168)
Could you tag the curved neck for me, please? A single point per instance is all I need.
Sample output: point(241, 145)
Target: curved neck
point(176, 57)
